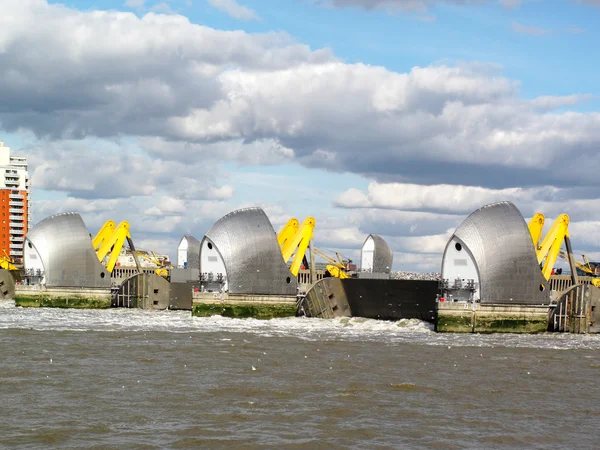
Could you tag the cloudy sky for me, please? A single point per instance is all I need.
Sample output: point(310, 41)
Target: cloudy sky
point(395, 117)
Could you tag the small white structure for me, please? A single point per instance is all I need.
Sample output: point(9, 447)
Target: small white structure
point(213, 267)
point(376, 256)
point(182, 253)
point(188, 253)
point(366, 255)
point(459, 267)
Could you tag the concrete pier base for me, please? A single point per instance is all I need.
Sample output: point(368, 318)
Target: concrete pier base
point(464, 317)
point(206, 304)
point(82, 298)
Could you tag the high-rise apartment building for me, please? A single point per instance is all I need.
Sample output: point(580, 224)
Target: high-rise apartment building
point(14, 204)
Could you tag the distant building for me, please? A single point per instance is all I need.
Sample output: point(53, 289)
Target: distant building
point(14, 204)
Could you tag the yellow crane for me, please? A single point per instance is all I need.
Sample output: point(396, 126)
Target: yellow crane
point(6, 262)
point(288, 232)
point(536, 225)
point(111, 246)
point(161, 269)
point(335, 267)
point(105, 232)
point(549, 249)
point(110, 240)
point(298, 243)
point(584, 267)
point(294, 239)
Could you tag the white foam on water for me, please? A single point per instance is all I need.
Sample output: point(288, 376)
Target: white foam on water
point(355, 328)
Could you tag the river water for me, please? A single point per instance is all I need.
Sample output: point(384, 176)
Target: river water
point(136, 379)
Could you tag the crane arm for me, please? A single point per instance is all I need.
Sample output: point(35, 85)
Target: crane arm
point(105, 232)
point(329, 259)
point(536, 225)
point(557, 232)
point(336, 272)
point(549, 249)
point(581, 266)
point(288, 232)
point(114, 244)
point(299, 244)
point(6, 262)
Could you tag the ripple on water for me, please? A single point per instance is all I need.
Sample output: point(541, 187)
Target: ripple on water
point(403, 331)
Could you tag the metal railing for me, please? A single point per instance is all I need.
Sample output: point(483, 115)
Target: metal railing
point(561, 283)
point(304, 276)
point(570, 313)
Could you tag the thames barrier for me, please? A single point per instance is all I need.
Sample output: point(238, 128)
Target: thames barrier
point(495, 274)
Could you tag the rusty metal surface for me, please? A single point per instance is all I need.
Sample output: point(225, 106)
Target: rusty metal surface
point(64, 245)
point(499, 241)
point(247, 244)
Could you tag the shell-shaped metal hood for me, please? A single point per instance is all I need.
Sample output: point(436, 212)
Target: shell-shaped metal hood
point(496, 240)
point(246, 243)
point(383, 257)
point(193, 251)
point(63, 244)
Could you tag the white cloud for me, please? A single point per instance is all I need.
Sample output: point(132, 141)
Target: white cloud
point(138, 4)
point(548, 102)
point(117, 170)
point(537, 31)
point(419, 6)
point(134, 116)
point(166, 206)
point(162, 8)
point(258, 97)
point(531, 30)
point(443, 197)
point(234, 9)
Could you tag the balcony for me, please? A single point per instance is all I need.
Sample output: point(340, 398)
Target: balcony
point(16, 196)
point(16, 239)
point(16, 231)
point(19, 218)
point(17, 225)
point(16, 204)
point(16, 245)
point(16, 253)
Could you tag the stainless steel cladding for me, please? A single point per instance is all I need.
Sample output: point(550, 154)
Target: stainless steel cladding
point(61, 246)
point(383, 257)
point(491, 255)
point(243, 244)
point(188, 252)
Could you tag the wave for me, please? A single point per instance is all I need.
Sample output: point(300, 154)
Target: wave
point(355, 328)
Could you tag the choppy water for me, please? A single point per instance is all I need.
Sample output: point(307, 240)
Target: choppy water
point(136, 379)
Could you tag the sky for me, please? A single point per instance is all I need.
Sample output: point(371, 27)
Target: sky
point(393, 117)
